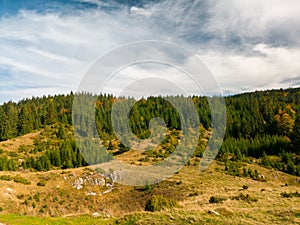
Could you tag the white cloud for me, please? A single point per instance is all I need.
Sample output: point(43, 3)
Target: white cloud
point(140, 11)
point(58, 50)
point(256, 20)
point(237, 73)
point(153, 79)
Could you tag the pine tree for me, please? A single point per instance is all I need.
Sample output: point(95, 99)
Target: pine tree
point(290, 168)
point(295, 137)
point(110, 146)
point(61, 132)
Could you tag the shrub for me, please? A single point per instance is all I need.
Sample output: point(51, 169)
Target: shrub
point(61, 202)
point(192, 194)
point(13, 154)
point(17, 179)
point(148, 188)
point(233, 169)
point(21, 196)
point(214, 199)
point(41, 183)
point(42, 210)
point(179, 182)
point(55, 199)
point(290, 195)
point(21, 180)
point(246, 198)
point(6, 177)
point(245, 187)
point(250, 173)
point(158, 203)
point(37, 197)
point(22, 148)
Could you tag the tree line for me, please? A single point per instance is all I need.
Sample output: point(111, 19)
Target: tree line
point(259, 124)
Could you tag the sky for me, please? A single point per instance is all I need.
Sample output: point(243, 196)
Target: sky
point(47, 47)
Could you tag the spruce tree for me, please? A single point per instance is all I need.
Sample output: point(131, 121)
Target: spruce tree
point(295, 137)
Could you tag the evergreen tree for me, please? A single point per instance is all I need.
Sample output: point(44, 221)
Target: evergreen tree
point(295, 137)
point(61, 132)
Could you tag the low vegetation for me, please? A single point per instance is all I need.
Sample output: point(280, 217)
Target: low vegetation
point(158, 203)
point(17, 179)
point(21, 180)
point(41, 183)
point(290, 195)
point(245, 197)
point(214, 199)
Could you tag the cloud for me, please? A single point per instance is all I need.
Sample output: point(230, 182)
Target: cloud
point(247, 45)
point(266, 70)
point(154, 79)
point(139, 11)
point(273, 21)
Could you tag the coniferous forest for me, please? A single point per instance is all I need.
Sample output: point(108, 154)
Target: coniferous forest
point(262, 127)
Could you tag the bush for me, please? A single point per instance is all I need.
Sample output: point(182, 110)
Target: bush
point(192, 194)
point(25, 202)
point(214, 199)
point(6, 177)
point(41, 183)
point(233, 169)
point(42, 210)
point(37, 197)
point(21, 196)
point(17, 179)
point(245, 187)
point(158, 203)
point(246, 198)
point(179, 182)
point(21, 180)
point(13, 154)
point(290, 195)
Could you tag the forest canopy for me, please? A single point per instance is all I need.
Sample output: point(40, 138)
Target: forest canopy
point(259, 124)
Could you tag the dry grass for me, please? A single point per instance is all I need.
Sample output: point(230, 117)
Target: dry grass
point(14, 144)
point(190, 188)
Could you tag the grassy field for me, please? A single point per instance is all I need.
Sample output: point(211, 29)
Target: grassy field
point(209, 197)
point(60, 203)
point(21, 220)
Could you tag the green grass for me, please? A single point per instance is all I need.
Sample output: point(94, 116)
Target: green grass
point(81, 220)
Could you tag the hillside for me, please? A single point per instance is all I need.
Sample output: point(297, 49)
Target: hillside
point(242, 199)
point(254, 179)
